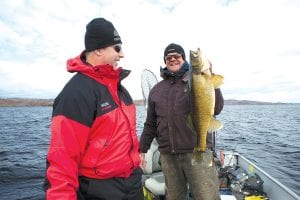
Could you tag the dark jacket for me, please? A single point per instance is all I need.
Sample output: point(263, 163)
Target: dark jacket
point(93, 130)
point(168, 114)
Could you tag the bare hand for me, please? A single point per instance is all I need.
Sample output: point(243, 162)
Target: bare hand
point(143, 161)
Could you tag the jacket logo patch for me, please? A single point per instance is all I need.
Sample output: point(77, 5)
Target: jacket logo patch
point(105, 106)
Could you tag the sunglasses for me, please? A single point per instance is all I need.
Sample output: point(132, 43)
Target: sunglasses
point(175, 56)
point(117, 48)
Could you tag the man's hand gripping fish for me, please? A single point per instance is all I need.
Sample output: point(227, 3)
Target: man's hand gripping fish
point(203, 84)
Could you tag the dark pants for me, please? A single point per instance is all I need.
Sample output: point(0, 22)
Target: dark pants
point(111, 189)
point(181, 172)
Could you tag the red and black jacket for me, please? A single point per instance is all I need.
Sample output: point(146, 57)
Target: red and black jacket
point(93, 130)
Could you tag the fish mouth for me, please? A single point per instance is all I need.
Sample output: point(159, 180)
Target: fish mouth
point(199, 60)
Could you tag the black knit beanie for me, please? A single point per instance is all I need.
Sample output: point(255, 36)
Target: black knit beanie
point(174, 48)
point(100, 33)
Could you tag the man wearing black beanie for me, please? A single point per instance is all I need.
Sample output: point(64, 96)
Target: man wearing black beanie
point(100, 33)
point(94, 149)
point(168, 121)
point(174, 48)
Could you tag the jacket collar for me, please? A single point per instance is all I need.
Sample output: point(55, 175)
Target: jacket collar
point(78, 64)
point(165, 73)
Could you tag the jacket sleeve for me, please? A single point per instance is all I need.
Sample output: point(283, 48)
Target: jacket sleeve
point(219, 103)
point(63, 158)
point(68, 140)
point(149, 131)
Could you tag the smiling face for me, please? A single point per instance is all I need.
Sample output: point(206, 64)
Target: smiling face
point(110, 55)
point(174, 61)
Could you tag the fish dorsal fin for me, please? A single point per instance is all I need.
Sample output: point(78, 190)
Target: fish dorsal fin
point(214, 125)
point(217, 80)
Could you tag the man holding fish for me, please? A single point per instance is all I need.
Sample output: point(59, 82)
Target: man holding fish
point(177, 115)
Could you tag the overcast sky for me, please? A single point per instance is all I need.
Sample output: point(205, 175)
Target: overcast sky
point(254, 44)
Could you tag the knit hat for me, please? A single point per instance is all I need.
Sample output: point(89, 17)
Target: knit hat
point(100, 33)
point(174, 48)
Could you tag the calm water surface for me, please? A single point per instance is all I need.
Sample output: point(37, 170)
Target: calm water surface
point(267, 135)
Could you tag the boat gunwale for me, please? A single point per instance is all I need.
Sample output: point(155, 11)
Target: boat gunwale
point(244, 163)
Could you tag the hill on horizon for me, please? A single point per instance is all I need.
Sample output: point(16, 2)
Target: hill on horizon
point(7, 102)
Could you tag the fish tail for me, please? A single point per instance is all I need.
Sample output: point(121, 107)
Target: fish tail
point(197, 154)
point(204, 159)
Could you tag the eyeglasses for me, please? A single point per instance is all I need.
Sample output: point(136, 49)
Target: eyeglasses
point(117, 48)
point(175, 56)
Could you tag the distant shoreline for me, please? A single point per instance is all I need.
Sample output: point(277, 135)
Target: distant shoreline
point(23, 102)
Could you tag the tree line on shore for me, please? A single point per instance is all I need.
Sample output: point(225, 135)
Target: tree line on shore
point(7, 102)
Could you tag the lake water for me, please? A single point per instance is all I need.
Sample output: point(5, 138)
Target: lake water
point(268, 135)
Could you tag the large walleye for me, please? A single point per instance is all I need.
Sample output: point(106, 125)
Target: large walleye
point(203, 84)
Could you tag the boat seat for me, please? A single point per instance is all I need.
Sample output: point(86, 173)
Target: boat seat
point(155, 181)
